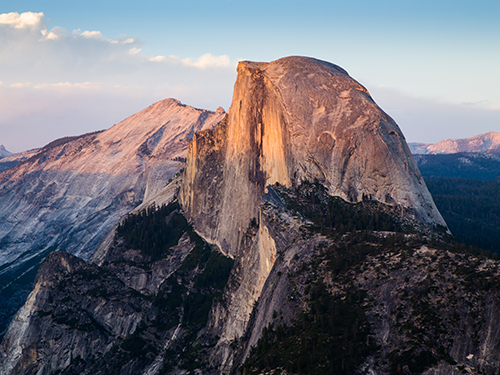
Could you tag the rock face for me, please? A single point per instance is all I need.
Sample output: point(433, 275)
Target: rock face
point(293, 119)
point(10, 161)
point(118, 317)
point(333, 302)
point(67, 195)
point(489, 142)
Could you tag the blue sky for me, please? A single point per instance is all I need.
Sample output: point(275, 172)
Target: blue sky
point(78, 66)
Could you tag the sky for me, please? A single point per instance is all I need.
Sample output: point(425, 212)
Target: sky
point(71, 67)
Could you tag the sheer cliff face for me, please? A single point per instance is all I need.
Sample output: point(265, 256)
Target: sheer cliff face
point(314, 281)
point(292, 119)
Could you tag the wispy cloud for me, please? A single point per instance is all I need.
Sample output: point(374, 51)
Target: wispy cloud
point(69, 85)
point(30, 50)
point(20, 85)
point(203, 62)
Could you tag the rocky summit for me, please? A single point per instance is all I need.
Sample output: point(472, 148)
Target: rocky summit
point(4, 152)
point(290, 120)
point(299, 239)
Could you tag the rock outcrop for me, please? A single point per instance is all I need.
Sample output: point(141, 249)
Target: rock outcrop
point(67, 195)
point(371, 300)
point(290, 120)
point(10, 161)
point(117, 318)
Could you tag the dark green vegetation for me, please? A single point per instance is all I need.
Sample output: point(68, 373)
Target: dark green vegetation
point(333, 215)
point(440, 304)
point(332, 337)
point(204, 274)
point(466, 190)
point(181, 304)
point(333, 334)
point(153, 230)
point(478, 166)
point(185, 298)
point(471, 208)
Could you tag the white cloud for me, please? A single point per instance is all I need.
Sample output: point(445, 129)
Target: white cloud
point(91, 35)
point(209, 61)
point(159, 59)
point(52, 36)
point(20, 85)
point(203, 62)
point(69, 85)
point(23, 20)
point(134, 51)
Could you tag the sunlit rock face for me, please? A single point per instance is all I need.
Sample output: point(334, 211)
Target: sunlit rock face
point(292, 119)
point(70, 193)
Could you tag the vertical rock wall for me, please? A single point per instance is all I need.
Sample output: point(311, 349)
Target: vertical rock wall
point(292, 119)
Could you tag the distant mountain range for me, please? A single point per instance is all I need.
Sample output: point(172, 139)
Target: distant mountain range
point(463, 176)
point(489, 142)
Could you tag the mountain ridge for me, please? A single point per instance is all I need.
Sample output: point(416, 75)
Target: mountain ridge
point(281, 129)
point(484, 143)
point(68, 194)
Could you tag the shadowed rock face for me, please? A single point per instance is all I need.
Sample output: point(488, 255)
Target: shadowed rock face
point(292, 119)
point(73, 190)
